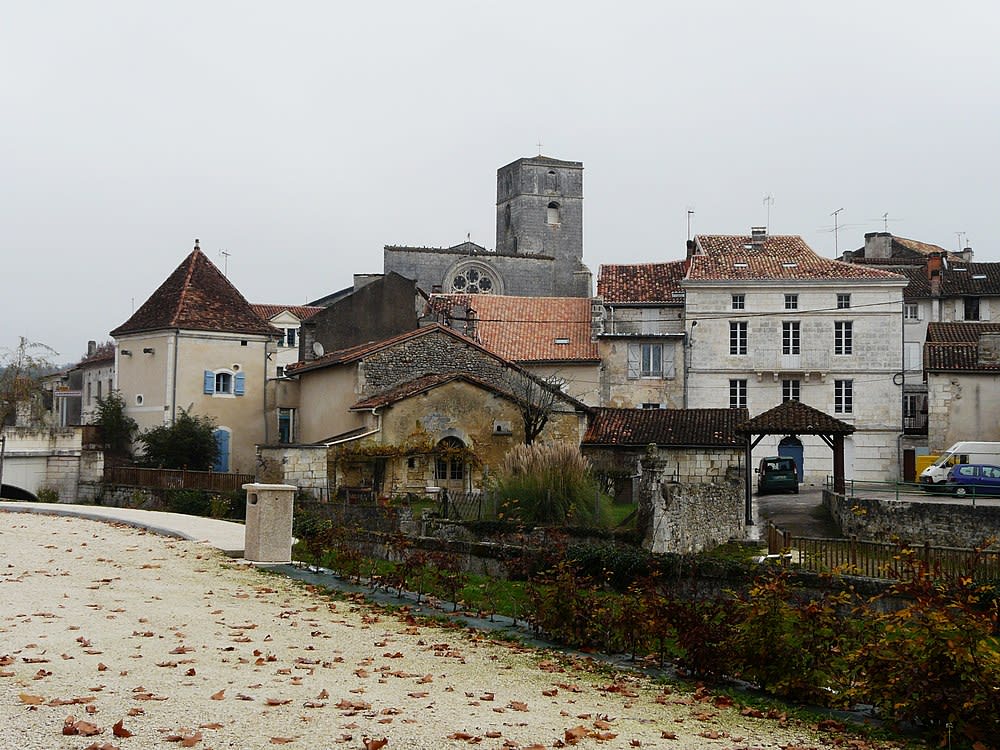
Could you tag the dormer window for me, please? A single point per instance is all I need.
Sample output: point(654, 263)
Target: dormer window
point(552, 214)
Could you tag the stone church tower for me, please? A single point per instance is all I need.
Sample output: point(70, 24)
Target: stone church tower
point(539, 246)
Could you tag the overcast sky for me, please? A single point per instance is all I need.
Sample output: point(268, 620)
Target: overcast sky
point(302, 137)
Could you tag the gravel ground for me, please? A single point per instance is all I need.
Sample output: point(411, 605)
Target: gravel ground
point(179, 646)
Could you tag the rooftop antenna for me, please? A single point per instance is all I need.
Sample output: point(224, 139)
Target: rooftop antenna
point(768, 202)
point(225, 254)
point(836, 231)
point(961, 242)
point(690, 214)
point(539, 144)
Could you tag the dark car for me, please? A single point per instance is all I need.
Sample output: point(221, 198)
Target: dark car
point(777, 474)
point(973, 479)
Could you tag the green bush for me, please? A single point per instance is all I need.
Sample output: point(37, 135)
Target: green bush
point(190, 502)
point(550, 483)
point(47, 495)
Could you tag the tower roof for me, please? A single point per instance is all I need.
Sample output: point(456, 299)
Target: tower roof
point(196, 296)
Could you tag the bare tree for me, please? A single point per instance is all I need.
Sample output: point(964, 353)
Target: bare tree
point(21, 371)
point(535, 398)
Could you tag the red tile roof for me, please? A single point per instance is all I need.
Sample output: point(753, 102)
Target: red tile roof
point(196, 296)
point(959, 333)
point(529, 329)
point(104, 353)
point(642, 282)
point(955, 347)
point(737, 258)
point(961, 278)
point(302, 312)
point(795, 417)
point(665, 427)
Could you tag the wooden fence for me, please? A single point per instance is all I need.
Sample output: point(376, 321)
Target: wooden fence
point(886, 560)
point(175, 479)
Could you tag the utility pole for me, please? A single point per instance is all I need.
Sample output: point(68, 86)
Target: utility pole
point(768, 202)
point(3, 449)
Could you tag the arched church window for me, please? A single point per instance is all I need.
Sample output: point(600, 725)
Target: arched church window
point(474, 279)
point(552, 182)
point(552, 214)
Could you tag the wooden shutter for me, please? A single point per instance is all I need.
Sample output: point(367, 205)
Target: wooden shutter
point(209, 381)
point(239, 383)
point(634, 356)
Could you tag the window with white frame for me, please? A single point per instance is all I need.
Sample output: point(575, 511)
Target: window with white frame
point(911, 311)
point(790, 390)
point(737, 337)
point(843, 301)
point(843, 337)
point(288, 336)
point(650, 360)
point(739, 302)
point(790, 342)
point(791, 302)
point(738, 394)
point(843, 396)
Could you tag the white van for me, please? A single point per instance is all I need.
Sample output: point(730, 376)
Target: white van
point(963, 452)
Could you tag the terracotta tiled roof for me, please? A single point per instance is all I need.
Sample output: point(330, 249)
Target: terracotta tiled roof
point(196, 296)
point(903, 249)
point(736, 258)
point(970, 278)
point(420, 385)
point(529, 329)
point(795, 417)
point(642, 282)
point(665, 427)
point(105, 353)
point(302, 312)
point(959, 333)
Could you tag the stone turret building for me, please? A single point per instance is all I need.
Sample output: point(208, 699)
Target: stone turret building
point(539, 240)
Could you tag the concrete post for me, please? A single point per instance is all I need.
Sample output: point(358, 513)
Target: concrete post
point(269, 523)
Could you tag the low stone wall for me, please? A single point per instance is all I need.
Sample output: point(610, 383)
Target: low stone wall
point(303, 466)
point(940, 524)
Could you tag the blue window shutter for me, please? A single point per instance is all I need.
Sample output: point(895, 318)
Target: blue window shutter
point(222, 460)
point(240, 383)
point(209, 381)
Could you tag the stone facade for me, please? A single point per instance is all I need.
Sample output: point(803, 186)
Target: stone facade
point(624, 384)
point(962, 406)
point(939, 524)
point(691, 500)
point(304, 466)
point(52, 459)
point(539, 245)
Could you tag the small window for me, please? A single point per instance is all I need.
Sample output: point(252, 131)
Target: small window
point(790, 342)
point(739, 301)
point(223, 382)
point(738, 394)
point(843, 301)
point(843, 337)
point(911, 311)
point(552, 213)
point(652, 361)
point(971, 311)
point(737, 337)
point(286, 425)
point(843, 397)
point(281, 371)
point(651, 405)
point(790, 390)
point(138, 399)
point(791, 302)
point(289, 337)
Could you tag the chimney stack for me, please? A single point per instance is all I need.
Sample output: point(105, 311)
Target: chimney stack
point(91, 348)
point(758, 235)
point(878, 245)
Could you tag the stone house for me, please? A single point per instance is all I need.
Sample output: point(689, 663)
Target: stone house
point(197, 344)
point(97, 378)
point(426, 408)
point(539, 240)
point(962, 365)
point(287, 319)
point(768, 320)
point(943, 286)
point(685, 468)
point(640, 334)
point(551, 337)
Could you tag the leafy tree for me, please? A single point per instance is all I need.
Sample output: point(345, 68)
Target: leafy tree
point(118, 430)
point(21, 370)
point(188, 443)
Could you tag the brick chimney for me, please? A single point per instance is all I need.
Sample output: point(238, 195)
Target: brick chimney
point(934, 267)
point(878, 245)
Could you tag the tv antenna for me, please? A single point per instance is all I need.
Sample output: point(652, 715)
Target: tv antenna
point(836, 230)
point(962, 239)
point(225, 264)
point(768, 202)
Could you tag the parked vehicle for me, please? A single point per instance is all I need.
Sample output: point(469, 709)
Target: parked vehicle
point(777, 474)
point(963, 452)
point(973, 479)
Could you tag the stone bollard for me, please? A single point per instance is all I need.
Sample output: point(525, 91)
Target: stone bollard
point(268, 536)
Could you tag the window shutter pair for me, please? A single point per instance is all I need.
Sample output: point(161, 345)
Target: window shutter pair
point(239, 383)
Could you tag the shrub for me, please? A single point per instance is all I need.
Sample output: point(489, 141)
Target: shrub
point(550, 483)
point(191, 502)
point(188, 443)
point(47, 495)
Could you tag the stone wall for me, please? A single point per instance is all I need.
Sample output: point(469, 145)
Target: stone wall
point(690, 500)
point(304, 466)
point(919, 521)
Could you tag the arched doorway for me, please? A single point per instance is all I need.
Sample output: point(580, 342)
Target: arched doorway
point(791, 447)
point(450, 470)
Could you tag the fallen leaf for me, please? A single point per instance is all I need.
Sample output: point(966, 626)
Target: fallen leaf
point(372, 744)
point(518, 706)
point(119, 730)
point(221, 695)
point(31, 700)
point(281, 740)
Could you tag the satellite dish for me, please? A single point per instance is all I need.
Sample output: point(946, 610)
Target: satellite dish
point(318, 349)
